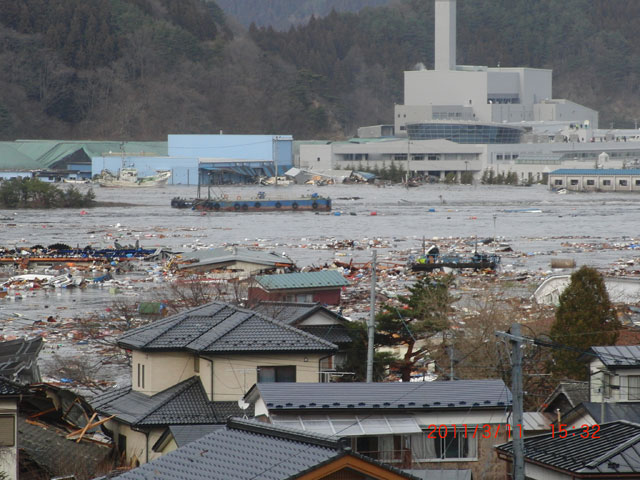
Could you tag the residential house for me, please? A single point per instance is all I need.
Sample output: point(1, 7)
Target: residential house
point(248, 450)
point(614, 373)
point(324, 287)
point(193, 367)
point(235, 261)
point(613, 391)
point(414, 425)
point(317, 320)
point(565, 397)
point(610, 450)
point(10, 393)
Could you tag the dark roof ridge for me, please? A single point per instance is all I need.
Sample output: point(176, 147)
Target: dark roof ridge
point(270, 430)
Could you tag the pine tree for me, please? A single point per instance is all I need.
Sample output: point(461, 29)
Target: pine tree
point(422, 314)
point(585, 317)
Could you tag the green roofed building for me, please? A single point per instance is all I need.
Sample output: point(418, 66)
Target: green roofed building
point(65, 159)
point(323, 287)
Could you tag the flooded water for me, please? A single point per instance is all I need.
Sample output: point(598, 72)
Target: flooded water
point(536, 223)
point(598, 229)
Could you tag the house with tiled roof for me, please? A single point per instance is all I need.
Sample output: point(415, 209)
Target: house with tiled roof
point(237, 261)
point(10, 393)
point(323, 287)
point(610, 450)
point(419, 426)
point(193, 367)
point(248, 450)
point(614, 373)
point(316, 319)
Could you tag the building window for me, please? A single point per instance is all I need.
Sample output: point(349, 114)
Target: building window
point(557, 181)
point(433, 157)
point(574, 181)
point(7, 430)
point(623, 183)
point(448, 444)
point(140, 375)
point(637, 183)
point(606, 385)
point(606, 183)
point(633, 387)
point(591, 182)
point(277, 374)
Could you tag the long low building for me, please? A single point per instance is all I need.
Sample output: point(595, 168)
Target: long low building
point(614, 180)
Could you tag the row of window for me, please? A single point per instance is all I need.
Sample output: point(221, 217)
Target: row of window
point(591, 182)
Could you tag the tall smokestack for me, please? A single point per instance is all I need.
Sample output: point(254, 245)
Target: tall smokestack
point(445, 36)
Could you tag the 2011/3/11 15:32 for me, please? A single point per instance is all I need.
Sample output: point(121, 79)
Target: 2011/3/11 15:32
point(472, 431)
point(583, 431)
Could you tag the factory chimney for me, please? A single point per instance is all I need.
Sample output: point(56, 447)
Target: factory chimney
point(445, 35)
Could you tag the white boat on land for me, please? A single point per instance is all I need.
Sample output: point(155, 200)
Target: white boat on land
point(128, 177)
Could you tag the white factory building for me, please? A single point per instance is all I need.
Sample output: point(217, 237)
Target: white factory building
point(459, 118)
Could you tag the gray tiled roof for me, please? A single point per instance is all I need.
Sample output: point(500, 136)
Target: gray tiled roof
point(337, 334)
point(629, 411)
point(616, 451)
point(184, 434)
point(463, 394)
point(292, 281)
point(219, 327)
point(184, 403)
point(245, 450)
point(224, 410)
point(292, 313)
point(618, 356)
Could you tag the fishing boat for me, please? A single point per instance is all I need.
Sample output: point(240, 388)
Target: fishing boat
point(432, 260)
point(128, 177)
point(259, 203)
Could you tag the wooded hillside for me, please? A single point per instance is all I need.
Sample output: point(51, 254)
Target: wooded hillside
point(141, 69)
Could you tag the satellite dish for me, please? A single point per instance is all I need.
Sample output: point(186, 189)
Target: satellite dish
point(242, 404)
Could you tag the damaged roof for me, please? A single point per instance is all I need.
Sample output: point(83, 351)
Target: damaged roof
point(183, 403)
point(232, 254)
point(219, 327)
point(19, 360)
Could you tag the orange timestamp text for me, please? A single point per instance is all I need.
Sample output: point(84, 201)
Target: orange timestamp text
point(561, 430)
point(473, 431)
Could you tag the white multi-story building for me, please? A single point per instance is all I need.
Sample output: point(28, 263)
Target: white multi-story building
point(473, 118)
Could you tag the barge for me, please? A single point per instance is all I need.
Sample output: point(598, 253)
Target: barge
point(313, 203)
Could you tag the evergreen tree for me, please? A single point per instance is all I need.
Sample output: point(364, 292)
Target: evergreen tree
point(422, 314)
point(585, 317)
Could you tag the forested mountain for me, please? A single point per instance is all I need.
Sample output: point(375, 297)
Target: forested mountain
point(140, 69)
point(283, 14)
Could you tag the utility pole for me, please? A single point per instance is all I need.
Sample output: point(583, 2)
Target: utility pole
point(372, 319)
point(516, 391)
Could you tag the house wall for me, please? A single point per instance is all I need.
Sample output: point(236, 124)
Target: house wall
point(9, 454)
point(139, 443)
point(621, 389)
point(232, 376)
point(161, 370)
point(319, 318)
point(326, 297)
